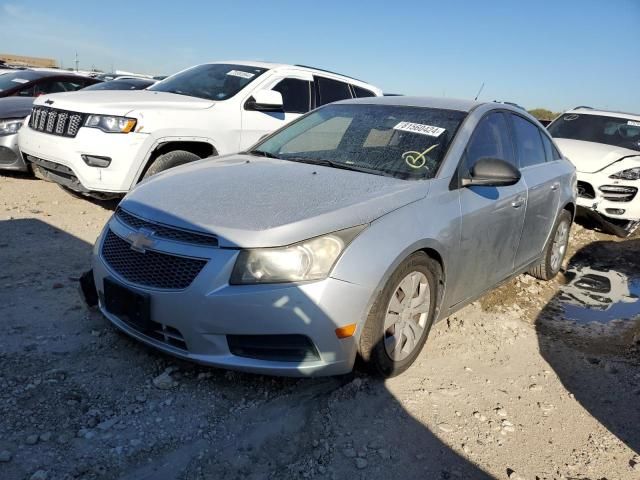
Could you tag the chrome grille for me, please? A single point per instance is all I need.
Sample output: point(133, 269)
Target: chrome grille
point(56, 122)
point(618, 193)
point(151, 268)
point(166, 232)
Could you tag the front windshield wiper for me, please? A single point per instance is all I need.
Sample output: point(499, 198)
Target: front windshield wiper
point(262, 153)
point(332, 164)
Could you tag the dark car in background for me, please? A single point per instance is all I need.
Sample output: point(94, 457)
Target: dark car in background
point(13, 111)
point(33, 83)
point(127, 83)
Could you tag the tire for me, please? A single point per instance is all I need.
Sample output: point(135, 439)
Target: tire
point(376, 341)
point(169, 160)
point(548, 266)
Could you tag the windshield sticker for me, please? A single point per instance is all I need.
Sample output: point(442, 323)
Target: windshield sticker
point(20, 80)
point(632, 123)
point(419, 128)
point(241, 74)
point(416, 159)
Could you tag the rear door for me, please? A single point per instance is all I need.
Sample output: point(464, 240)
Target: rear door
point(492, 217)
point(540, 172)
point(296, 98)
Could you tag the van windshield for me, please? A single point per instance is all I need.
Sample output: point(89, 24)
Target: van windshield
point(213, 81)
point(397, 141)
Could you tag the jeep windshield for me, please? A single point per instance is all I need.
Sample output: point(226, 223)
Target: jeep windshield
point(618, 132)
point(213, 81)
point(396, 141)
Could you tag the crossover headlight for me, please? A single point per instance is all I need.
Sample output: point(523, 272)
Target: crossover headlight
point(9, 127)
point(628, 174)
point(110, 124)
point(311, 259)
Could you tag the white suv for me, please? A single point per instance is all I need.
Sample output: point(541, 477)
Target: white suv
point(101, 143)
point(605, 148)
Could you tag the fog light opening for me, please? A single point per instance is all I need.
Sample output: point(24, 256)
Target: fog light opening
point(615, 211)
point(95, 161)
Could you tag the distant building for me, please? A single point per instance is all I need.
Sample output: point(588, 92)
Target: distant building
point(28, 61)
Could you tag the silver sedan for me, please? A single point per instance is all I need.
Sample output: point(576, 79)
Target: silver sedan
point(347, 233)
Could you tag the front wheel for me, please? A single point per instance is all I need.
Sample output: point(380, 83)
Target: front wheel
point(400, 319)
point(169, 160)
point(556, 249)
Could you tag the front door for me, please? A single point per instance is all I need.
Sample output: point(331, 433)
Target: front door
point(296, 99)
point(492, 217)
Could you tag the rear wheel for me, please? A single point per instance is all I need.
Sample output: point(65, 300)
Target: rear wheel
point(400, 319)
point(169, 160)
point(556, 249)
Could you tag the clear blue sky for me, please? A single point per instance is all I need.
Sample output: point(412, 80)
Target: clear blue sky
point(539, 53)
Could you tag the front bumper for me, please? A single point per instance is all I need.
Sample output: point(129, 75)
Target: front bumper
point(202, 315)
point(125, 150)
point(595, 194)
point(10, 158)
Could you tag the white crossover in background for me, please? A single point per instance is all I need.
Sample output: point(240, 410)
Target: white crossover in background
point(605, 148)
point(102, 143)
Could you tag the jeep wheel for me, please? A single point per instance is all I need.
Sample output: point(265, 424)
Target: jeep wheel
point(169, 160)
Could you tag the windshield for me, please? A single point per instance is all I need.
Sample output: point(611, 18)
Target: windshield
point(15, 79)
point(618, 132)
point(396, 141)
point(214, 81)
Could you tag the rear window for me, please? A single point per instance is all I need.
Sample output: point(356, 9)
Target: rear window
point(609, 130)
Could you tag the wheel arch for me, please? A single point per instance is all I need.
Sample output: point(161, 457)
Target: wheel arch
point(571, 208)
point(199, 147)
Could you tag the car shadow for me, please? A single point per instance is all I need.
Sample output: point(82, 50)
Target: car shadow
point(51, 342)
point(597, 314)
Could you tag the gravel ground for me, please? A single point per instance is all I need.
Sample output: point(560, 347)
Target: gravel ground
point(508, 388)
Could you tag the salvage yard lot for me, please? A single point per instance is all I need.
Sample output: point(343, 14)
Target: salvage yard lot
point(507, 388)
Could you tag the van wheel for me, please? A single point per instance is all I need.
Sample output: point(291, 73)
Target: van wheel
point(555, 251)
point(400, 319)
point(169, 160)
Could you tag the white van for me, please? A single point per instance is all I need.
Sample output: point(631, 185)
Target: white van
point(102, 143)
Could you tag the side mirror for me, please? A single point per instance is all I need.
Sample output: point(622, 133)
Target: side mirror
point(492, 172)
point(265, 101)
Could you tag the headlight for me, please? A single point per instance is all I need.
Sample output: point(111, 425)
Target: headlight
point(9, 127)
point(629, 174)
point(311, 259)
point(110, 124)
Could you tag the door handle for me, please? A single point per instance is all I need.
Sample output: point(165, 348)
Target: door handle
point(555, 186)
point(518, 202)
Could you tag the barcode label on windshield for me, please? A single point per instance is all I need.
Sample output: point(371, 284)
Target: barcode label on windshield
point(419, 128)
point(633, 124)
point(240, 73)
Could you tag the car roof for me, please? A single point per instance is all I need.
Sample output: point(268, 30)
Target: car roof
point(305, 68)
point(604, 113)
point(444, 103)
point(32, 75)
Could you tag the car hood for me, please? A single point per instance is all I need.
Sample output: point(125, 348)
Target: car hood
point(591, 157)
point(121, 102)
point(15, 107)
point(254, 202)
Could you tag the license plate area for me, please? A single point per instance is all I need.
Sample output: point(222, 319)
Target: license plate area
point(129, 306)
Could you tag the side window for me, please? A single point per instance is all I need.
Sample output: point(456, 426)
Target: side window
point(295, 95)
point(490, 139)
point(548, 148)
point(362, 92)
point(528, 142)
point(57, 86)
point(328, 91)
point(27, 91)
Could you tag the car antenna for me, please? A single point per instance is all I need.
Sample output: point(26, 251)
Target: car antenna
point(479, 91)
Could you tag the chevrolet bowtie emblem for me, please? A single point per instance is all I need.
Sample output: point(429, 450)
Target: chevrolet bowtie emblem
point(141, 240)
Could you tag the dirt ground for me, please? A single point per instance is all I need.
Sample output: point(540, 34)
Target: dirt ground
point(534, 381)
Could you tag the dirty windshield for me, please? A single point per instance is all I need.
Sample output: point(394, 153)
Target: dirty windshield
point(213, 81)
point(398, 141)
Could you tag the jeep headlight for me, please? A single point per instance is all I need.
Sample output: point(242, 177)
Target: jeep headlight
point(628, 174)
point(110, 124)
point(311, 259)
point(9, 127)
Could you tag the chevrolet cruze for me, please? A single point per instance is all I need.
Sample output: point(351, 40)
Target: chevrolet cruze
point(346, 234)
